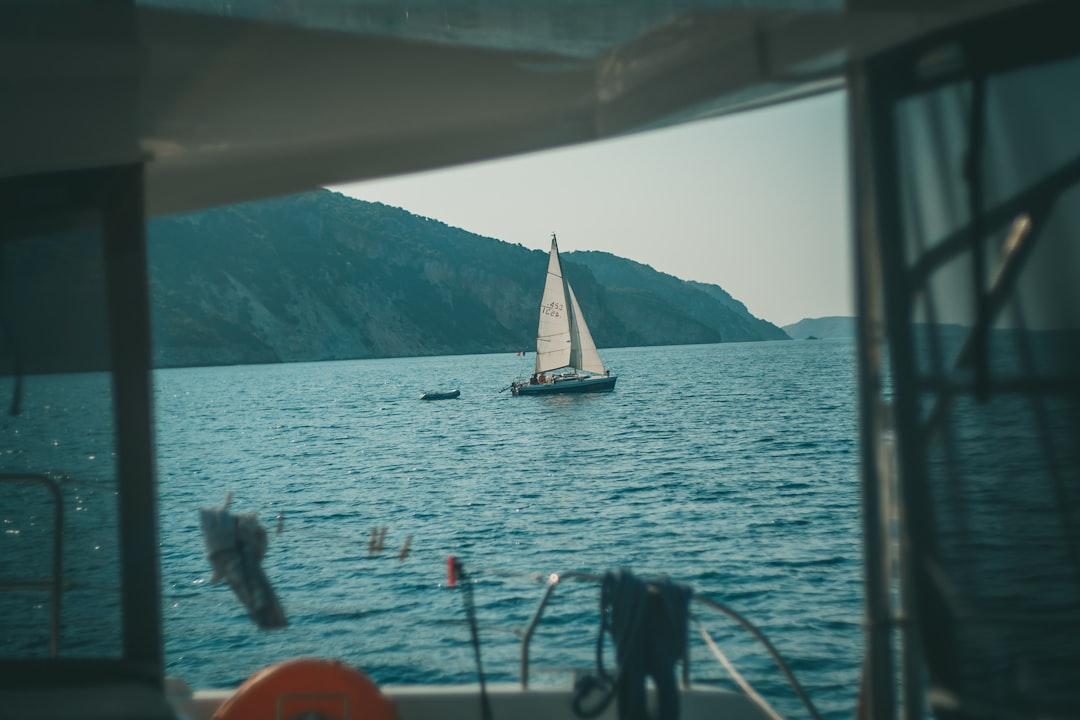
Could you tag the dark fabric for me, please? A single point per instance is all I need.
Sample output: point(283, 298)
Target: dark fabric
point(647, 621)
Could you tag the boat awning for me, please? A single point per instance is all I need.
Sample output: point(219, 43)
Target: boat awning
point(227, 102)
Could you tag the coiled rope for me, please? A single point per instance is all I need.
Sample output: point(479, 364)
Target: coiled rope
point(647, 623)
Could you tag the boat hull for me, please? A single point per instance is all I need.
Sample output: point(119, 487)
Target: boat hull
point(566, 387)
point(449, 395)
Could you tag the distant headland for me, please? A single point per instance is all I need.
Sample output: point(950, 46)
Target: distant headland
point(834, 326)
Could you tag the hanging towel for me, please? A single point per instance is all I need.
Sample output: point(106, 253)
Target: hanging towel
point(235, 546)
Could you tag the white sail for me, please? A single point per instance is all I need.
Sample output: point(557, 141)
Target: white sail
point(553, 335)
point(566, 356)
point(583, 354)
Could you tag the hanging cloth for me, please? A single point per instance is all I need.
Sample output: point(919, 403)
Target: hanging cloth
point(647, 621)
point(235, 546)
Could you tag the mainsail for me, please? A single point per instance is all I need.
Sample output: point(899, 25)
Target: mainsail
point(553, 338)
point(562, 338)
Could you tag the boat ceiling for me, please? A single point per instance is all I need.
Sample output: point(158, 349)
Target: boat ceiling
point(228, 101)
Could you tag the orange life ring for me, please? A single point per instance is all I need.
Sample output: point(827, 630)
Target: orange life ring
point(307, 688)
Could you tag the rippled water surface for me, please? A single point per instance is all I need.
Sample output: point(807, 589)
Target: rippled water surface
point(731, 468)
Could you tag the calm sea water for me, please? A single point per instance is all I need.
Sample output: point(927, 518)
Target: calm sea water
point(731, 468)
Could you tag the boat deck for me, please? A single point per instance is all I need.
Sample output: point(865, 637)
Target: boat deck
point(508, 700)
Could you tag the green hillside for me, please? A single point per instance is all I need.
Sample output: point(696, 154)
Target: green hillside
point(321, 276)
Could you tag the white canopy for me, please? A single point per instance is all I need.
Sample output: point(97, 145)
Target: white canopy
point(227, 102)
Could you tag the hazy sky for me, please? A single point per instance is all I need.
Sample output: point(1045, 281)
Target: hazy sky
point(755, 202)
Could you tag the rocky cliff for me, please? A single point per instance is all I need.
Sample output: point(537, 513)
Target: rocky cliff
point(322, 276)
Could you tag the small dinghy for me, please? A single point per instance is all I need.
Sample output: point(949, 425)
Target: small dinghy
point(440, 395)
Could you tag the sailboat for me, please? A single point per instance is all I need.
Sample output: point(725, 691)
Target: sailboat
point(566, 357)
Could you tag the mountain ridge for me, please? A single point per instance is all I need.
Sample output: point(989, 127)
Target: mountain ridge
point(322, 276)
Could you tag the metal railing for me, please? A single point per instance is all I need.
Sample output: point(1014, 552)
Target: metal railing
point(52, 584)
point(555, 578)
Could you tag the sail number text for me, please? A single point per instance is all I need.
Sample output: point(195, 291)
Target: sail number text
point(554, 309)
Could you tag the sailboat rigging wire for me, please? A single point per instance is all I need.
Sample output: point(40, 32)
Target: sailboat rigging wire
point(747, 688)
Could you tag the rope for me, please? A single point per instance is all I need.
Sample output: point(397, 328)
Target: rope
point(470, 614)
point(777, 658)
point(737, 676)
point(647, 622)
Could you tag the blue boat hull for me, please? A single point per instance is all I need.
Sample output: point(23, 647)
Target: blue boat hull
point(564, 387)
